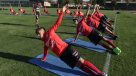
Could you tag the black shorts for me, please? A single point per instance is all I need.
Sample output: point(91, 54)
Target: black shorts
point(70, 56)
point(95, 37)
point(101, 27)
point(103, 18)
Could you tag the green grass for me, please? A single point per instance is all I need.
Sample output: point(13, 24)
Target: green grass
point(18, 44)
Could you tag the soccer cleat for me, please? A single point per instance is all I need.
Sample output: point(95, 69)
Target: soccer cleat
point(117, 50)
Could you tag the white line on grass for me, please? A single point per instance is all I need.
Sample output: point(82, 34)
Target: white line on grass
point(108, 57)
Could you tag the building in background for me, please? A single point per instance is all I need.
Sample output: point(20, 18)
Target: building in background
point(48, 4)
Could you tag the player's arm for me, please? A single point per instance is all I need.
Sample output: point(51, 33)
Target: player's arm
point(94, 11)
point(97, 9)
point(45, 53)
point(58, 5)
point(77, 8)
point(88, 10)
point(59, 20)
point(85, 16)
point(80, 8)
point(77, 35)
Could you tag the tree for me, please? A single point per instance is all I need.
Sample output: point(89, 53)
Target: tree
point(62, 2)
point(70, 1)
point(90, 1)
point(101, 2)
point(76, 2)
point(114, 3)
point(127, 2)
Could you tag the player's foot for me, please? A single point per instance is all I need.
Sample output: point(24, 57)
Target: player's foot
point(115, 37)
point(117, 51)
point(111, 21)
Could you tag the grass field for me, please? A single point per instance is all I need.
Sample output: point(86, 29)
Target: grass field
point(18, 44)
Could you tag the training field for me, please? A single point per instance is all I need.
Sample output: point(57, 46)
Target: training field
point(18, 44)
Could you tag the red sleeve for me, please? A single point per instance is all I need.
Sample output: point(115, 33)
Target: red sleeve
point(83, 19)
point(58, 22)
point(45, 53)
point(83, 22)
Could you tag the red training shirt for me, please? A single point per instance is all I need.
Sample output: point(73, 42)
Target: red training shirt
point(98, 14)
point(75, 13)
point(83, 28)
point(53, 41)
point(81, 14)
point(92, 22)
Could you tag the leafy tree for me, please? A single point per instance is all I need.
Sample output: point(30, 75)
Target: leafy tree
point(101, 2)
point(127, 2)
point(114, 3)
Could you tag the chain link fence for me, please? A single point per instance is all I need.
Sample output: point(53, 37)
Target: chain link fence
point(6, 3)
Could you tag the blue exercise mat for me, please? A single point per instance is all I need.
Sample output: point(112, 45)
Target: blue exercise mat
point(55, 65)
point(87, 45)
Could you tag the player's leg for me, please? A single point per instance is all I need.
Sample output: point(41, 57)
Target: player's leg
point(104, 18)
point(110, 33)
point(36, 19)
point(72, 58)
point(88, 67)
point(109, 26)
point(115, 48)
point(96, 37)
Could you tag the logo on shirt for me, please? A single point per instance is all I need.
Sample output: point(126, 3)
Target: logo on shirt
point(50, 43)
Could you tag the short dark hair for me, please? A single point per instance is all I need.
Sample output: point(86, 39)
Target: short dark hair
point(74, 19)
point(39, 28)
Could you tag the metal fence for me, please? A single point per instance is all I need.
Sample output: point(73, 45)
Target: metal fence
point(121, 6)
point(24, 3)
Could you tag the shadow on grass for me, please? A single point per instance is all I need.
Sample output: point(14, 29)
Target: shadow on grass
point(49, 15)
point(28, 37)
point(52, 15)
point(15, 57)
point(66, 33)
point(15, 24)
point(26, 59)
point(70, 26)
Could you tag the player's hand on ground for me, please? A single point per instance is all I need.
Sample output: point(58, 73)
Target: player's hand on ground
point(42, 59)
point(73, 41)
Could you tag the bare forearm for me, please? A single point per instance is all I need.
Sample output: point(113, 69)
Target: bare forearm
point(88, 10)
point(76, 37)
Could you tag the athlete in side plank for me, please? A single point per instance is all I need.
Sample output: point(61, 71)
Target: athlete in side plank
point(63, 50)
